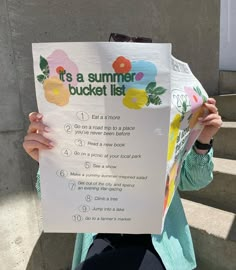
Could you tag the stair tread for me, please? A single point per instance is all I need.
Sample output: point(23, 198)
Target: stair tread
point(226, 95)
point(209, 219)
point(228, 124)
point(227, 166)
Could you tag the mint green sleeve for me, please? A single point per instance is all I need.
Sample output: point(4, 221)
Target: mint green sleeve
point(37, 185)
point(196, 171)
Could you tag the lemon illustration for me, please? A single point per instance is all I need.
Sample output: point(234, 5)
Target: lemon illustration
point(173, 135)
point(171, 192)
point(172, 177)
point(135, 99)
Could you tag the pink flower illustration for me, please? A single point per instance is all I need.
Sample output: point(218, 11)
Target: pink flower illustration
point(195, 99)
point(58, 62)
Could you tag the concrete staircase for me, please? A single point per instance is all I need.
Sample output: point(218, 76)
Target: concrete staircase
point(211, 212)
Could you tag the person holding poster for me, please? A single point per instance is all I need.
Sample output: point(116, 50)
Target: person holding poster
point(171, 250)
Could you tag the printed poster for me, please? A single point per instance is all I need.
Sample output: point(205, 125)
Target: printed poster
point(121, 116)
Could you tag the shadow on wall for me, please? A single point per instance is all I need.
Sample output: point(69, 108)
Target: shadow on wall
point(53, 251)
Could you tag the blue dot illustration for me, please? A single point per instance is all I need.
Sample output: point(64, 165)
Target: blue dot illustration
point(145, 71)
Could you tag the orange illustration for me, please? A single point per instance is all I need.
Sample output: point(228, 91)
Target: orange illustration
point(60, 69)
point(194, 118)
point(122, 65)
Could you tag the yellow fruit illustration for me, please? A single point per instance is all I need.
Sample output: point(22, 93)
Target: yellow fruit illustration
point(172, 176)
point(194, 119)
point(173, 135)
point(135, 99)
point(171, 192)
point(173, 171)
point(55, 91)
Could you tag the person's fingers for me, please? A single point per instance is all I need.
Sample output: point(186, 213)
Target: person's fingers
point(35, 116)
point(29, 146)
point(216, 122)
point(32, 148)
point(211, 101)
point(209, 117)
point(38, 138)
point(34, 154)
point(34, 142)
point(213, 118)
point(211, 108)
point(37, 127)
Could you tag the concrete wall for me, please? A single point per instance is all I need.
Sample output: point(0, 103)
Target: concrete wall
point(193, 28)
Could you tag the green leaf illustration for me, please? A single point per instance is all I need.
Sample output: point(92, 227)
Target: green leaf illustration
point(44, 66)
point(153, 93)
point(41, 78)
point(198, 90)
point(184, 107)
point(159, 90)
point(46, 72)
point(148, 102)
point(184, 110)
point(155, 100)
point(150, 87)
point(204, 98)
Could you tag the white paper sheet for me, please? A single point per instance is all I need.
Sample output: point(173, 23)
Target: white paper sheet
point(110, 107)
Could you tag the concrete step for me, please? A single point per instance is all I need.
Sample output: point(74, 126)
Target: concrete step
point(227, 82)
point(224, 143)
point(214, 236)
point(221, 193)
point(227, 106)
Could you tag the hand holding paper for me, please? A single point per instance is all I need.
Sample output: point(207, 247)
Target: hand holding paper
point(212, 122)
point(34, 140)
